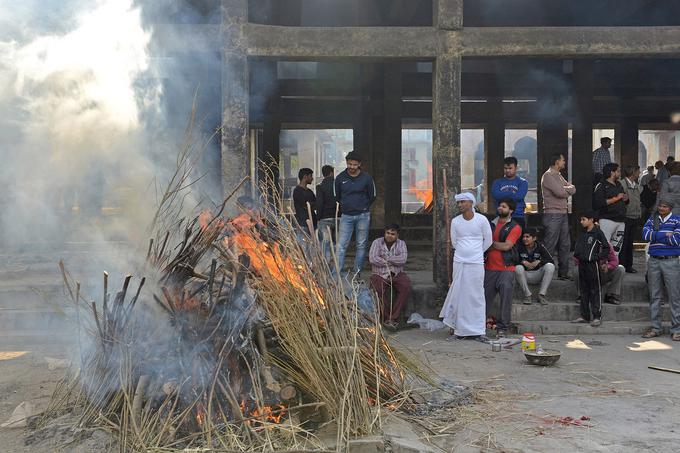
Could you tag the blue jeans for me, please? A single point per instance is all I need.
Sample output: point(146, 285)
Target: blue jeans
point(348, 225)
point(326, 237)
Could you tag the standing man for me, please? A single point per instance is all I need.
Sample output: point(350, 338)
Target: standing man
point(610, 202)
point(388, 256)
point(325, 210)
point(670, 189)
point(511, 187)
point(633, 216)
point(499, 270)
point(302, 195)
point(601, 157)
point(662, 230)
point(536, 266)
point(464, 310)
point(659, 167)
point(556, 190)
point(355, 191)
point(647, 176)
point(664, 172)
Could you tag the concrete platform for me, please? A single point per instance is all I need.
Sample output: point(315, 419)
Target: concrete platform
point(32, 295)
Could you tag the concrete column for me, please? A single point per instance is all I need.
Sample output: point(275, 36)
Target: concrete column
point(448, 14)
point(271, 132)
point(494, 148)
point(445, 155)
point(235, 94)
point(392, 151)
point(552, 137)
point(582, 136)
point(629, 141)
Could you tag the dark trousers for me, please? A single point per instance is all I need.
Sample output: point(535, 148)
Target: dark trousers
point(626, 254)
point(392, 294)
point(557, 239)
point(503, 283)
point(589, 284)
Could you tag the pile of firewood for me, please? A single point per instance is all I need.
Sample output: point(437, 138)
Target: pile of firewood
point(238, 336)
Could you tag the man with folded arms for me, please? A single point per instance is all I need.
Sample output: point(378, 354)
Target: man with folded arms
point(662, 230)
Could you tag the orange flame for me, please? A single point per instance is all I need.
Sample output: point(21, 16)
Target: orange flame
point(422, 189)
point(268, 260)
point(200, 414)
point(269, 414)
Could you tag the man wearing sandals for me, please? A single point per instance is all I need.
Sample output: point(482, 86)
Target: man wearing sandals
point(464, 309)
point(388, 255)
point(662, 230)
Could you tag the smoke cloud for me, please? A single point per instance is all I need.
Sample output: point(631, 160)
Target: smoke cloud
point(80, 121)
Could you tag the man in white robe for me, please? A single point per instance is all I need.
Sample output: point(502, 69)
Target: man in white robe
point(464, 310)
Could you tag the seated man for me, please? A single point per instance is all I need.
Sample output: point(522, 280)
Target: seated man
point(393, 287)
point(536, 266)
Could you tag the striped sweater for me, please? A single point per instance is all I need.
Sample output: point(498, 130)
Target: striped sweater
point(661, 243)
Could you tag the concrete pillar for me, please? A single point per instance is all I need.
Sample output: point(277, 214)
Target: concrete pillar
point(552, 137)
point(582, 136)
point(272, 121)
point(629, 141)
point(448, 14)
point(445, 156)
point(494, 148)
point(392, 150)
point(235, 94)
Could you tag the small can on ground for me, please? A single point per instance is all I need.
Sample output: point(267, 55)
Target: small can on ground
point(528, 342)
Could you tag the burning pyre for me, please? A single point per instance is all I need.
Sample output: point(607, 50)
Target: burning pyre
point(245, 340)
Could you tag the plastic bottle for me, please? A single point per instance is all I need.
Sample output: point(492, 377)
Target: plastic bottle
point(528, 342)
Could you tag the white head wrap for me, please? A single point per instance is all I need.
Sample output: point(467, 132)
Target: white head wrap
point(466, 196)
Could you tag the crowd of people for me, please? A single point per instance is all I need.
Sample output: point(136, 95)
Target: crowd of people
point(490, 257)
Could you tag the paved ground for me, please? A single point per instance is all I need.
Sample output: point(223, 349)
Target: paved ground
point(629, 407)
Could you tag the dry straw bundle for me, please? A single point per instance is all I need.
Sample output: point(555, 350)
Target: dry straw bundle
point(243, 338)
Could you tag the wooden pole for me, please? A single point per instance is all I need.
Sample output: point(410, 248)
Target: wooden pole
point(449, 270)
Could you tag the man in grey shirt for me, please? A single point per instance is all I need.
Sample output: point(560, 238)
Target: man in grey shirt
point(556, 191)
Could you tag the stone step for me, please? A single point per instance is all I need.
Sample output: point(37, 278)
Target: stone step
point(568, 328)
point(634, 289)
point(567, 311)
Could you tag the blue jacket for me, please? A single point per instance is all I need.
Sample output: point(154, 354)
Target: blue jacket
point(355, 194)
point(660, 244)
point(515, 189)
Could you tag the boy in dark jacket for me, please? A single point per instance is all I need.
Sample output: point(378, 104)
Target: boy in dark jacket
point(536, 266)
point(591, 247)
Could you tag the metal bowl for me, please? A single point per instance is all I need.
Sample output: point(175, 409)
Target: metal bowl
point(547, 357)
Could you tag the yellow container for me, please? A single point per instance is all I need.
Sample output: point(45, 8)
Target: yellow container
point(528, 342)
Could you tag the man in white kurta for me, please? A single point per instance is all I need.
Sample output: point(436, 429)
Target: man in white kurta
point(464, 310)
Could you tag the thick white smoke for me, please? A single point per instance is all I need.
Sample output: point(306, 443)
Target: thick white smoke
point(75, 87)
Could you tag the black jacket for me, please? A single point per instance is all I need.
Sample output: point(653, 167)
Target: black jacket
point(539, 253)
point(648, 198)
point(300, 199)
point(355, 194)
point(604, 191)
point(591, 246)
point(325, 198)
